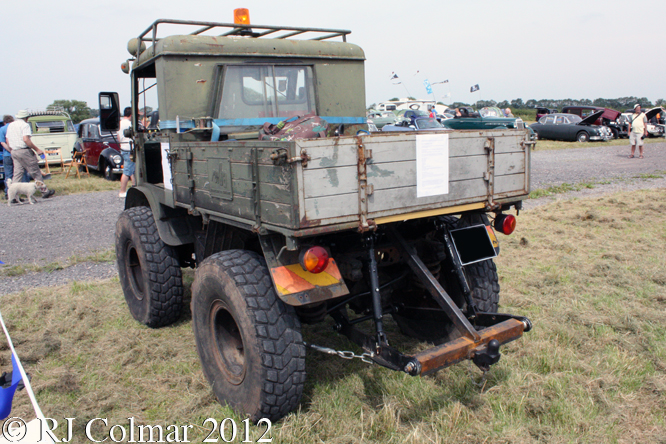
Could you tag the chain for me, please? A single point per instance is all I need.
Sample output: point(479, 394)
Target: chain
point(365, 357)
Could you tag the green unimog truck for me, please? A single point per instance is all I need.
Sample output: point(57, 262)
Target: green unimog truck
point(350, 226)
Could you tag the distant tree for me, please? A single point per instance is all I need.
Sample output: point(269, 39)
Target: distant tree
point(395, 99)
point(411, 98)
point(660, 102)
point(484, 103)
point(503, 104)
point(458, 104)
point(76, 109)
point(531, 103)
point(517, 103)
point(371, 106)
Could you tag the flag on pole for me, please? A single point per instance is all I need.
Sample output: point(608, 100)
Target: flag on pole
point(474, 88)
point(393, 76)
point(427, 86)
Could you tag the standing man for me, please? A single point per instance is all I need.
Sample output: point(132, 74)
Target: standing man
point(637, 130)
point(125, 150)
point(23, 151)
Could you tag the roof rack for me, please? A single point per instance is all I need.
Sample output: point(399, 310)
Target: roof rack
point(49, 111)
point(254, 31)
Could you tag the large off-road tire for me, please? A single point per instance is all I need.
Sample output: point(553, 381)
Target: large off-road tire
point(249, 341)
point(436, 327)
point(483, 282)
point(149, 271)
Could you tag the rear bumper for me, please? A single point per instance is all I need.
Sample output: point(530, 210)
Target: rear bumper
point(463, 348)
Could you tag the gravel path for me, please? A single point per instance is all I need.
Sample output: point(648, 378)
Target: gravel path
point(64, 226)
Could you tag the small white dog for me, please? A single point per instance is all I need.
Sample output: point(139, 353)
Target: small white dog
point(14, 190)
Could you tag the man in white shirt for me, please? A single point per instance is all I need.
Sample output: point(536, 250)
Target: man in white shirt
point(125, 150)
point(23, 151)
point(637, 130)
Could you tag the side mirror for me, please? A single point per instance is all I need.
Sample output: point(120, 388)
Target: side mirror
point(109, 111)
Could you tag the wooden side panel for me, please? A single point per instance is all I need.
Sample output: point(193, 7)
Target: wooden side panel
point(330, 181)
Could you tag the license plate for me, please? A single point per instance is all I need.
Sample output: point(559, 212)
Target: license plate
point(473, 244)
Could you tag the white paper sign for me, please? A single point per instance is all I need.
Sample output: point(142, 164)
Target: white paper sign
point(166, 167)
point(432, 164)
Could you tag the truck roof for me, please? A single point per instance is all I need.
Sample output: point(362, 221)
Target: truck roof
point(228, 39)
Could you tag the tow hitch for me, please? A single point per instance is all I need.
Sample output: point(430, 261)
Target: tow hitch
point(479, 334)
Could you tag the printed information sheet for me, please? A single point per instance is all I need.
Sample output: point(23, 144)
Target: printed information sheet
point(432, 164)
point(166, 167)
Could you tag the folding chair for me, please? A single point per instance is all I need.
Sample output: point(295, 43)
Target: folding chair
point(78, 160)
point(53, 152)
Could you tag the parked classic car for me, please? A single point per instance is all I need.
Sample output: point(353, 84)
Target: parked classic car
point(101, 149)
point(540, 112)
point(381, 118)
point(609, 117)
point(570, 127)
point(486, 118)
point(419, 124)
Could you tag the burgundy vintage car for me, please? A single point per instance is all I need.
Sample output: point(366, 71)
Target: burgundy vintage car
point(100, 148)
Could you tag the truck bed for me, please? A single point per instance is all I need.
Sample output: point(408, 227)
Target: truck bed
point(348, 181)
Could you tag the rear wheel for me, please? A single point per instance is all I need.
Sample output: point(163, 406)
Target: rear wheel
point(432, 324)
point(248, 340)
point(149, 271)
point(583, 137)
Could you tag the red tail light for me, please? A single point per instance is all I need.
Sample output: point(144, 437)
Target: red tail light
point(505, 223)
point(314, 260)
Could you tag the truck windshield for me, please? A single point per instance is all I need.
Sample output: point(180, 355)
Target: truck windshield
point(251, 92)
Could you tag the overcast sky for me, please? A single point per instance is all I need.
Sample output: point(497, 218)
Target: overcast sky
point(72, 49)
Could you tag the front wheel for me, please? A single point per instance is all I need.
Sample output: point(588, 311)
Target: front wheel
point(249, 341)
point(149, 271)
point(107, 170)
point(583, 137)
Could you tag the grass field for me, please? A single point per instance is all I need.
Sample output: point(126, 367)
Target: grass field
point(589, 273)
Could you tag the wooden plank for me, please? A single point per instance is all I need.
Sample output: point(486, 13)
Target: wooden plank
point(344, 180)
point(513, 184)
point(272, 212)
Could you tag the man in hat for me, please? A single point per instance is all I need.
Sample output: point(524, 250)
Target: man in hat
point(22, 147)
point(637, 130)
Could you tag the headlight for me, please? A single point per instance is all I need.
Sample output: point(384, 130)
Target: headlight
point(116, 159)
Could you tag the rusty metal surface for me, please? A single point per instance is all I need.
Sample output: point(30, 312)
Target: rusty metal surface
point(463, 348)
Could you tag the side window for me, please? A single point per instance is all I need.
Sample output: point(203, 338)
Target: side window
point(147, 101)
point(547, 120)
point(267, 91)
point(559, 120)
point(93, 131)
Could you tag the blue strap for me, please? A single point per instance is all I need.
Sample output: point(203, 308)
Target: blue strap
point(259, 121)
